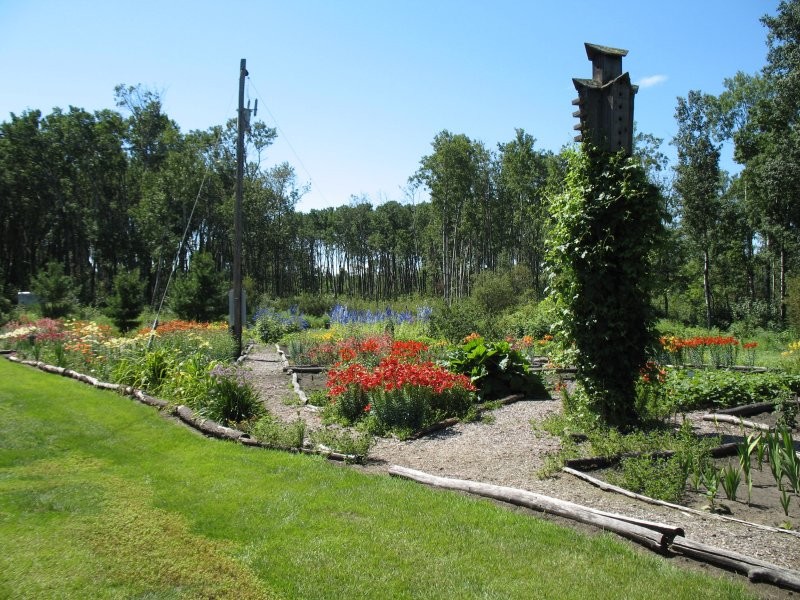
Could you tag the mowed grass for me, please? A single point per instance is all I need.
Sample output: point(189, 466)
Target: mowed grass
point(101, 497)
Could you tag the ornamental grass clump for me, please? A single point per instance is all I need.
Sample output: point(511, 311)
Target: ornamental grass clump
point(232, 397)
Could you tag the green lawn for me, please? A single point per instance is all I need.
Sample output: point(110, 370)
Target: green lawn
point(100, 497)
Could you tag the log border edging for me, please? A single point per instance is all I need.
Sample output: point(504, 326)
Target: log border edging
point(661, 538)
point(185, 414)
point(608, 487)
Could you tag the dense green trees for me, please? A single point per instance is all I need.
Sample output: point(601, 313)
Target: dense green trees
point(698, 183)
point(114, 191)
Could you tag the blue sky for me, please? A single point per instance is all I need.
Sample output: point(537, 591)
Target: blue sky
point(359, 88)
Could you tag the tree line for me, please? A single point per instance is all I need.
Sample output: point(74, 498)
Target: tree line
point(118, 190)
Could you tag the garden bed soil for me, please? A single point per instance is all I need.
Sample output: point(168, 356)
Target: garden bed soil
point(763, 508)
point(507, 450)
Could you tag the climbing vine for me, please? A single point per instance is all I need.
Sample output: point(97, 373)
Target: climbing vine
point(606, 224)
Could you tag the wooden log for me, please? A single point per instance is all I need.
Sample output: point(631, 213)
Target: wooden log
point(435, 427)
point(684, 509)
point(503, 401)
point(52, 369)
point(282, 354)
point(756, 570)
point(602, 462)
point(716, 417)
point(207, 426)
point(86, 379)
point(730, 449)
point(593, 463)
point(748, 410)
point(330, 453)
point(104, 385)
point(307, 369)
point(639, 532)
point(149, 400)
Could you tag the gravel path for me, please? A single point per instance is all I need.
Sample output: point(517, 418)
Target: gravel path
point(508, 451)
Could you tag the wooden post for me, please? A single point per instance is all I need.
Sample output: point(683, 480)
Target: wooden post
point(237, 216)
point(605, 102)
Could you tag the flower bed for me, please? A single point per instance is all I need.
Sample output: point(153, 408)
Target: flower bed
point(404, 392)
point(183, 361)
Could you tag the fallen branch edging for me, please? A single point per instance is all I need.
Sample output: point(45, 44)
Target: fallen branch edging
point(684, 509)
point(601, 462)
point(756, 571)
point(656, 536)
point(184, 413)
point(748, 409)
point(717, 417)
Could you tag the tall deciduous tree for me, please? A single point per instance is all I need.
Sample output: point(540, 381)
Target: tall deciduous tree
point(697, 181)
point(455, 173)
point(522, 186)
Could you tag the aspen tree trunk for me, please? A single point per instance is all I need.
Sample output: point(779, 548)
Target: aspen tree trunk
point(707, 286)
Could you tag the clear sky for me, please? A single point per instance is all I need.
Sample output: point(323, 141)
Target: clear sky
point(359, 88)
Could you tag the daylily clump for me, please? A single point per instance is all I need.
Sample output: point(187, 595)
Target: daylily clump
point(403, 391)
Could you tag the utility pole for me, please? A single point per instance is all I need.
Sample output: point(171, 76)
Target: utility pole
point(237, 215)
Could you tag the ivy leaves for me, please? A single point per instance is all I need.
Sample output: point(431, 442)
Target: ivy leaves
point(606, 224)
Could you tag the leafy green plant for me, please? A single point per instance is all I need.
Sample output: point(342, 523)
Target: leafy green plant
point(774, 447)
point(147, 371)
point(711, 481)
point(757, 441)
point(495, 368)
point(787, 407)
point(695, 389)
point(790, 462)
point(275, 434)
point(745, 453)
point(190, 382)
point(317, 398)
point(661, 478)
point(271, 326)
point(344, 441)
point(606, 223)
point(785, 500)
point(232, 397)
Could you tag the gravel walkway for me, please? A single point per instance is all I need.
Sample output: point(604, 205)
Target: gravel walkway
point(508, 451)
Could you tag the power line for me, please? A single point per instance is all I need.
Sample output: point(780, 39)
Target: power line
point(215, 146)
point(288, 143)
